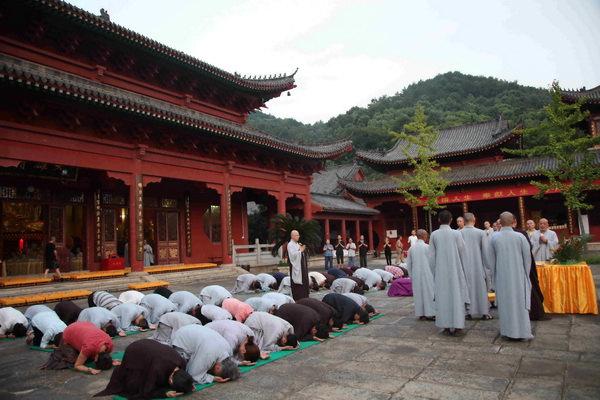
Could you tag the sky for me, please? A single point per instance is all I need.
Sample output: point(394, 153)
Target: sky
point(349, 52)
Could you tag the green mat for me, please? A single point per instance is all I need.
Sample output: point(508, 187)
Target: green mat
point(276, 355)
point(41, 349)
point(115, 356)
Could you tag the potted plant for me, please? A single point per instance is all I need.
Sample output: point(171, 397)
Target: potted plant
point(570, 250)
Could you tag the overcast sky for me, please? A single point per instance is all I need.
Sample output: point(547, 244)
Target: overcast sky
point(351, 51)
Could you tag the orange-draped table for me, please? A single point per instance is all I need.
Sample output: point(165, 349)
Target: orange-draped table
point(567, 289)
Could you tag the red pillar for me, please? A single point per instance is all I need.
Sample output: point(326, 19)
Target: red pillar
point(281, 203)
point(308, 202)
point(344, 230)
point(136, 223)
point(371, 235)
point(357, 231)
point(327, 232)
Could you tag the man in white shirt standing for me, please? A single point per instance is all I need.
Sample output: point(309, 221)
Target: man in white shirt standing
point(544, 241)
point(412, 239)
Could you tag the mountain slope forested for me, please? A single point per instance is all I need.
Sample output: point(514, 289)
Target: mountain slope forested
point(449, 99)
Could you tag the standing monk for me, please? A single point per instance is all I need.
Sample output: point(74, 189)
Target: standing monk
point(298, 267)
point(446, 258)
point(536, 310)
point(509, 257)
point(544, 242)
point(417, 264)
point(476, 242)
point(339, 251)
point(363, 248)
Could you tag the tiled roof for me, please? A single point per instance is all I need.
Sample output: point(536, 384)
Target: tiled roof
point(58, 83)
point(341, 205)
point(124, 35)
point(495, 171)
point(591, 95)
point(326, 182)
point(463, 139)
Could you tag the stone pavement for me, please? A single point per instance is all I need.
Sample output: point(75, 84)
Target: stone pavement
point(393, 357)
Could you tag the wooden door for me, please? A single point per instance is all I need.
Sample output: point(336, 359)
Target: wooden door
point(168, 238)
point(109, 232)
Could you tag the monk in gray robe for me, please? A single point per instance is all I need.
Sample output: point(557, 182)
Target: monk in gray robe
point(446, 259)
point(298, 267)
point(170, 323)
point(417, 264)
point(241, 339)
point(509, 257)
point(544, 241)
point(285, 287)
point(185, 301)
point(208, 355)
point(245, 283)
point(386, 276)
point(214, 294)
point(267, 281)
point(102, 319)
point(156, 305)
point(261, 304)
point(475, 242)
point(344, 285)
point(131, 317)
point(278, 299)
point(372, 279)
point(271, 333)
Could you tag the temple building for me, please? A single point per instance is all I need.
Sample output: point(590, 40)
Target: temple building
point(109, 139)
point(483, 180)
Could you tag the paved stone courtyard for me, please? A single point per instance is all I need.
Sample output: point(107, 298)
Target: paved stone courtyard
point(394, 357)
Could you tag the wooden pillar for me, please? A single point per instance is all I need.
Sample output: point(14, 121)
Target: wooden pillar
point(415, 218)
point(226, 225)
point(281, 198)
point(327, 231)
point(521, 201)
point(344, 230)
point(371, 235)
point(357, 231)
point(308, 202)
point(465, 207)
point(136, 223)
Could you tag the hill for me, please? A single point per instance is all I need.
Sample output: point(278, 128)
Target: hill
point(449, 99)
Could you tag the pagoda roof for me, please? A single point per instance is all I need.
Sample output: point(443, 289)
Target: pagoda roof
point(326, 181)
point(342, 205)
point(114, 31)
point(507, 169)
point(82, 90)
point(590, 95)
point(457, 140)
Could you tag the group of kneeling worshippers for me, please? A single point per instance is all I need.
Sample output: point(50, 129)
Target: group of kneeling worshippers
point(203, 339)
point(197, 339)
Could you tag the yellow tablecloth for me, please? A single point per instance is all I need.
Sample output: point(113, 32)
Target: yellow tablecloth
point(568, 289)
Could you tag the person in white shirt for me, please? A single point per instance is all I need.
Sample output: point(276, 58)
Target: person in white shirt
point(351, 247)
point(412, 239)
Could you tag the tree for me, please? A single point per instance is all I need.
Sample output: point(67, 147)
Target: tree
point(425, 179)
point(574, 174)
point(283, 225)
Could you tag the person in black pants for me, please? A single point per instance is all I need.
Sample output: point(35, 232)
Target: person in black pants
point(339, 251)
point(363, 248)
point(387, 249)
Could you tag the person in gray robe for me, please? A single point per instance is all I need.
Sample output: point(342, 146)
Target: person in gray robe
point(267, 281)
point(417, 264)
point(344, 285)
point(285, 287)
point(298, 263)
point(208, 313)
point(508, 255)
point(32, 311)
point(214, 295)
point(372, 279)
point(446, 259)
point(185, 301)
point(261, 304)
point(156, 305)
point(245, 283)
point(131, 317)
point(278, 299)
point(544, 241)
point(170, 323)
point(475, 270)
point(148, 254)
point(271, 333)
point(101, 318)
point(238, 336)
point(207, 353)
point(385, 276)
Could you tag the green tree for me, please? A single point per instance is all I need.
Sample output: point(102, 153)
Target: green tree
point(425, 181)
point(574, 174)
point(283, 225)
